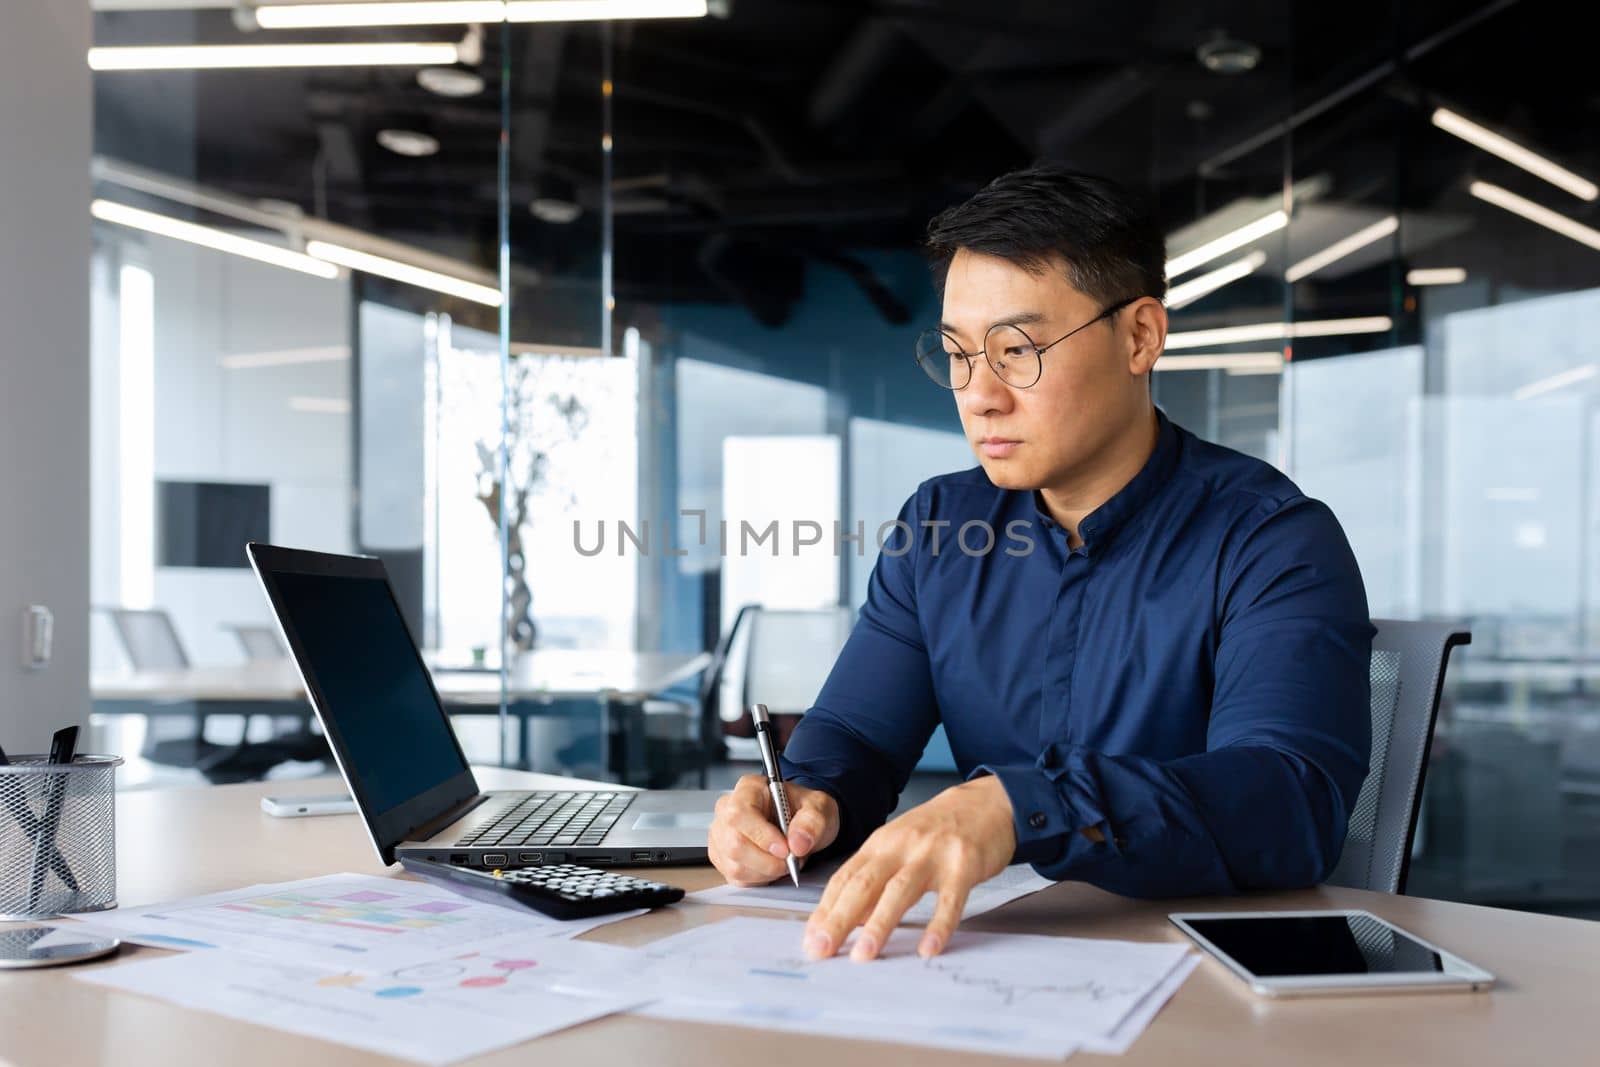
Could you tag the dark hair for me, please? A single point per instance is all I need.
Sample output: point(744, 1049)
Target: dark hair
point(1044, 216)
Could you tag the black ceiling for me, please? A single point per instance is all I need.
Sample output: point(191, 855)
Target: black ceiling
point(801, 130)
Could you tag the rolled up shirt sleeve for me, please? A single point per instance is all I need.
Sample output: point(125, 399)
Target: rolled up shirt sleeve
point(1287, 744)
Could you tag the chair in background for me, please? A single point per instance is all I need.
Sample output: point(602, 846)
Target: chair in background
point(292, 737)
point(779, 657)
point(174, 737)
point(260, 643)
point(175, 734)
point(786, 658)
point(1408, 665)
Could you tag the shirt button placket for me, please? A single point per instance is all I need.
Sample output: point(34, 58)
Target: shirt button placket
point(1061, 653)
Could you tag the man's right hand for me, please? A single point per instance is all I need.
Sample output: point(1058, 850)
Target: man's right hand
point(746, 844)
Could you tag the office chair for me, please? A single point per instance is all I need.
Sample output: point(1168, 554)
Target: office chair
point(261, 644)
point(787, 657)
point(151, 643)
point(149, 639)
point(291, 735)
point(1408, 665)
point(175, 739)
point(780, 657)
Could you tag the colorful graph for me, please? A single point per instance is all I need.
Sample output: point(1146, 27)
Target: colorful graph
point(469, 971)
point(370, 910)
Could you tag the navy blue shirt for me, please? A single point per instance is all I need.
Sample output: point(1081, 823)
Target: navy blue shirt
point(1192, 680)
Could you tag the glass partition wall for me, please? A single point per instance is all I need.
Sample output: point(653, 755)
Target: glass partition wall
point(600, 332)
point(296, 265)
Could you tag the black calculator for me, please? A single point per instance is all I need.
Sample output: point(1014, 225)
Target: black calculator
point(561, 890)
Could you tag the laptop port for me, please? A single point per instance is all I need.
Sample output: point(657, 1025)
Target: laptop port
point(530, 857)
point(495, 859)
point(595, 861)
point(640, 854)
point(458, 858)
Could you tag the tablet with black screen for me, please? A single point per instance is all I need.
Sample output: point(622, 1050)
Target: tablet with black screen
point(1301, 953)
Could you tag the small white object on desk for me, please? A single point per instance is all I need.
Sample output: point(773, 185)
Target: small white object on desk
point(307, 804)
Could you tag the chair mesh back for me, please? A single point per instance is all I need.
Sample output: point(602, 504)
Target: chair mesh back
point(790, 654)
point(1407, 673)
point(260, 643)
point(1361, 839)
point(151, 642)
point(149, 639)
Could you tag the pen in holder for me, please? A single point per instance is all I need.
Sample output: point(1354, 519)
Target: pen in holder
point(58, 841)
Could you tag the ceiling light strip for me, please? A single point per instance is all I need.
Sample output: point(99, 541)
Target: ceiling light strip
point(1221, 246)
point(1342, 248)
point(414, 13)
point(597, 10)
point(1552, 220)
point(206, 236)
point(1278, 331)
point(1436, 276)
point(1556, 381)
point(1515, 154)
point(1237, 362)
point(468, 12)
point(250, 56)
point(395, 270)
point(1188, 292)
point(285, 357)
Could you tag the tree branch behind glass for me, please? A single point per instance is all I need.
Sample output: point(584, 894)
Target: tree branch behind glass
point(545, 415)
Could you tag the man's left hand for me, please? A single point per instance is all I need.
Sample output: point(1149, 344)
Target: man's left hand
point(961, 837)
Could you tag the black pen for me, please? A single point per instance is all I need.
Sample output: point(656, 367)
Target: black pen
point(780, 793)
point(63, 746)
point(30, 826)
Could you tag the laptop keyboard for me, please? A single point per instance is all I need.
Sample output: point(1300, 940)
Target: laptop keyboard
point(551, 819)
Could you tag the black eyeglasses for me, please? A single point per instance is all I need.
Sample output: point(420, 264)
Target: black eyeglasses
point(1011, 353)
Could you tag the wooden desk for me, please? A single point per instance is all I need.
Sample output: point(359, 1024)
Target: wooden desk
point(185, 842)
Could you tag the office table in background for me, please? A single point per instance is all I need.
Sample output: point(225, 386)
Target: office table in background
point(618, 681)
point(185, 842)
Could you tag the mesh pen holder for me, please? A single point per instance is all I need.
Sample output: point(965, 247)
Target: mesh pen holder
point(58, 839)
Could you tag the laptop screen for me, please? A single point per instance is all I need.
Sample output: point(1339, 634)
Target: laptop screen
point(355, 643)
point(371, 692)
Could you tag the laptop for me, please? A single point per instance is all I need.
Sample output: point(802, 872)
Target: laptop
point(400, 758)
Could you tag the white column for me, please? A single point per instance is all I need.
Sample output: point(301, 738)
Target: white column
point(44, 363)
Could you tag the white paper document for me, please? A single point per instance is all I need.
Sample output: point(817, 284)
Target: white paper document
point(341, 920)
point(435, 1011)
point(1021, 994)
point(1015, 881)
point(1004, 1039)
point(1121, 1039)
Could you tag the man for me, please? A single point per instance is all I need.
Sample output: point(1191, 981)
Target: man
point(1165, 694)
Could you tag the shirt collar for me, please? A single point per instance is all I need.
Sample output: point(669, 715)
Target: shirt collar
point(1100, 526)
